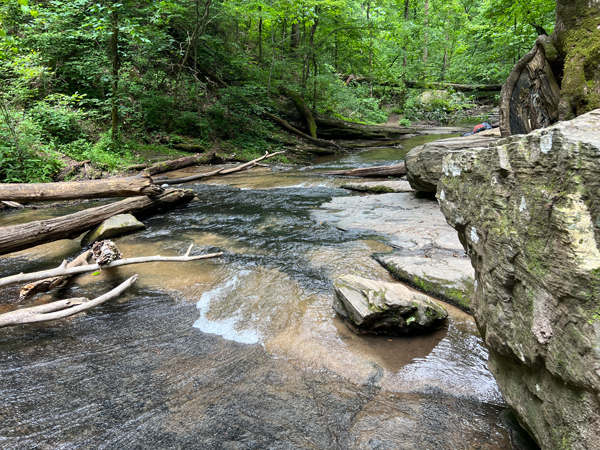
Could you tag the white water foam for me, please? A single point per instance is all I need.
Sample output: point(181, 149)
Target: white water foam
point(226, 328)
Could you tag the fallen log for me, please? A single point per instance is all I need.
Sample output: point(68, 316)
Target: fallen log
point(291, 129)
point(341, 129)
point(63, 270)
point(394, 170)
point(302, 108)
point(221, 171)
point(112, 187)
point(192, 148)
point(61, 308)
point(455, 86)
point(19, 237)
point(167, 166)
point(70, 169)
point(48, 284)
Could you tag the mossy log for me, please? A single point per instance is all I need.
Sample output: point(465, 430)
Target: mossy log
point(112, 187)
point(302, 108)
point(332, 128)
point(455, 86)
point(285, 125)
point(192, 148)
point(186, 161)
point(20, 237)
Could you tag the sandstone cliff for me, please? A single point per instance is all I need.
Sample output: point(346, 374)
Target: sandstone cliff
point(527, 210)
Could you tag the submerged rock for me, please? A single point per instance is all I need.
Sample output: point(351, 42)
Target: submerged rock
point(379, 187)
point(115, 226)
point(424, 163)
point(527, 211)
point(428, 255)
point(387, 308)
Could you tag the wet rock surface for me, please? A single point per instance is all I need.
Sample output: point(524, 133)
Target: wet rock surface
point(424, 163)
point(240, 352)
point(379, 187)
point(115, 226)
point(428, 255)
point(527, 211)
point(370, 306)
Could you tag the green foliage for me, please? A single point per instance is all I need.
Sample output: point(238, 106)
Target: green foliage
point(104, 154)
point(59, 118)
point(24, 158)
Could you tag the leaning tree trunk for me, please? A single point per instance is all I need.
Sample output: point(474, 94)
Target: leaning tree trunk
point(560, 78)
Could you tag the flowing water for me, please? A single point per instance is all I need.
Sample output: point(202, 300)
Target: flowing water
point(243, 351)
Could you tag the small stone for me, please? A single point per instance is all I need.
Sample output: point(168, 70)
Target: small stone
point(115, 226)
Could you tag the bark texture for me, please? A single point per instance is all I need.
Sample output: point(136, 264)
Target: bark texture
point(19, 237)
point(560, 78)
point(112, 187)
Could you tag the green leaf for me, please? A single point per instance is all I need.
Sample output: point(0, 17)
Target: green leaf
point(96, 273)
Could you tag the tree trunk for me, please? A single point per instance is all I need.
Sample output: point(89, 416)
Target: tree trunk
point(113, 187)
point(295, 37)
point(302, 108)
point(291, 129)
point(20, 237)
point(116, 64)
point(560, 78)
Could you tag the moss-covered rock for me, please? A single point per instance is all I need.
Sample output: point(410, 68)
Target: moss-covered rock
point(385, 308)
point(115, 226)
point(527, 210)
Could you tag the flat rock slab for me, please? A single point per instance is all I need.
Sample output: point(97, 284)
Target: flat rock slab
point(435, 272)
point(424, 163)
point(380, 187)
point(115, 226)
point(429, 255)
point(378, 307)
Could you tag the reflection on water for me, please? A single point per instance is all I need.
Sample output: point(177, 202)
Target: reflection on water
point(243, 351)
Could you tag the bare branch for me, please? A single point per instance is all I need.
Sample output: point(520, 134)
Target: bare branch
point(63, 270)
point(61, 308)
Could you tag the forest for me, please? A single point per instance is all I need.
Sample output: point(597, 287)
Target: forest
point(115, 81)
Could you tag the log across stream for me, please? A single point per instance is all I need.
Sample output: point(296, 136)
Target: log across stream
point(240, 352)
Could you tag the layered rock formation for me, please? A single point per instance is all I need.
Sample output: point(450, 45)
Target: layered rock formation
point(424, 163)
point(527, 210)
point(385, 308)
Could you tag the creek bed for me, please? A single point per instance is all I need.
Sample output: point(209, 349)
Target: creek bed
point(241, 352)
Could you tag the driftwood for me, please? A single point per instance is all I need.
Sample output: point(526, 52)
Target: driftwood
point(113, 187)
point(12, 204)
point(61, 308)
point(167, 166)
point(63, 270)
point(19, 237)
point(70, 169)
point(395, 170)
point(48, 284)
point(285, 125)
point(221, 171)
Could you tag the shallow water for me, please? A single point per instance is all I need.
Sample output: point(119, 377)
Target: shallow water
point(243, 351)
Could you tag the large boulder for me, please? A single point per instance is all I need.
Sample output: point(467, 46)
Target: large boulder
point(114, 226)
point(424, 163)
point(385, 308)
point(527, 211)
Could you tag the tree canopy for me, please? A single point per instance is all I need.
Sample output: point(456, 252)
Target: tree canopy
point(76, 69)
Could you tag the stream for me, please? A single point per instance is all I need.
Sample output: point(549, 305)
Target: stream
point(242, 351)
